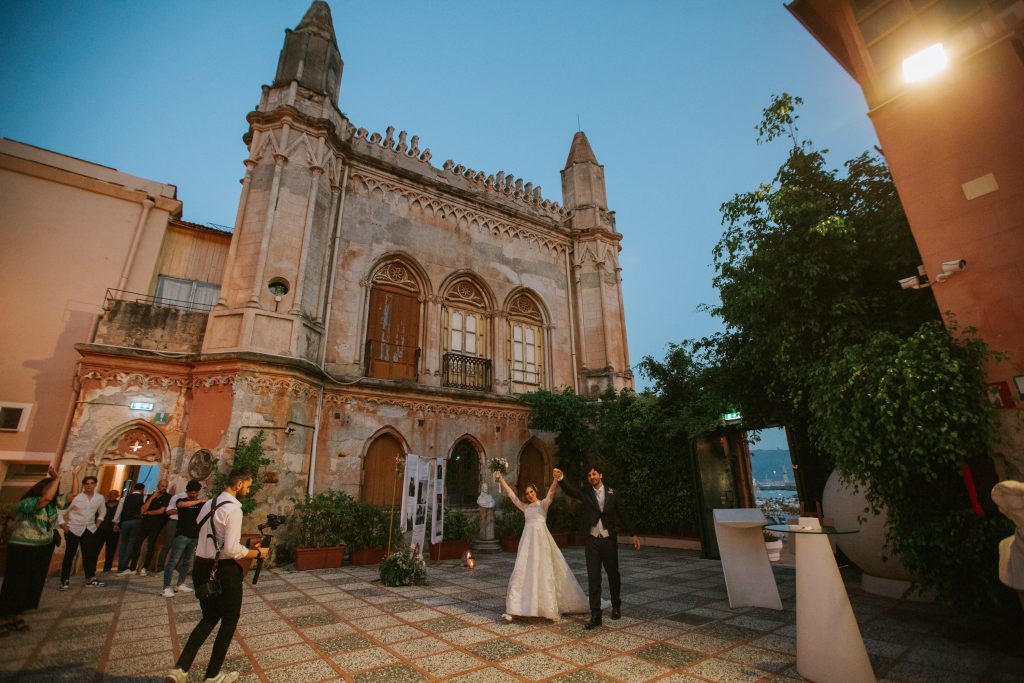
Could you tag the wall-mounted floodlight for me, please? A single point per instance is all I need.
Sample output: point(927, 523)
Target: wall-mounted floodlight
point(925, 64)
point(950, 268)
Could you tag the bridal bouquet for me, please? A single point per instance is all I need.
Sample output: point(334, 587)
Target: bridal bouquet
point(498, 465)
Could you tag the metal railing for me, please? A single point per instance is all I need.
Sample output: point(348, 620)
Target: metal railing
point(135, 297)
point(385, 360)
point(465, 372)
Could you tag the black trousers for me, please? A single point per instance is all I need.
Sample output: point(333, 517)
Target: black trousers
point(150, 534)
point(225, 608)
point(602, 552)
point(90, 550)
point(106, 540)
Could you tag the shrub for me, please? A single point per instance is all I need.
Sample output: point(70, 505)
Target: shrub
point(322, 520)
point(248, 453)
point(367, 527)
point(510, 520)
point(560, 515)
point(403, 568)
point(458, 526)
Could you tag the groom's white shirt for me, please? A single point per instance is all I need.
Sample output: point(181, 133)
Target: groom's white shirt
point(598, 529)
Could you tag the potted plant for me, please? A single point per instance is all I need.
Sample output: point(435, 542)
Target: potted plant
point(773, 544)
point(559, 519)
point(366, 534)
point(508, 525)
point(319, 524)
point(459, 530)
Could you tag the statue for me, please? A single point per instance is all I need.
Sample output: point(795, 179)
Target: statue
point(486, 503)
point(1009, 496)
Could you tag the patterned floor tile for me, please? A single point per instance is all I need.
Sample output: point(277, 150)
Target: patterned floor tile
point(446, 664)
point(618, 640)
point(396, 633)
point(398, 673)
point(671, 656)
point(306, 672)
point(420, 647)
point(346, 643)
point(466, 636)
point(582, 676)
point(766, 660)
point(628, 668)
point(361, 660)
point(497, 650)
point(582, 652)
point(284, 655)
point(722, 671)
point(536, 666)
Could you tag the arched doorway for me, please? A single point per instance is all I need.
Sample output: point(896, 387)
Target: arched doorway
point(381, 475)
point(532, 471)
point(462, 483)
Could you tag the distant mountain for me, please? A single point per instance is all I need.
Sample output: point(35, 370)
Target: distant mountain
point(771, 465)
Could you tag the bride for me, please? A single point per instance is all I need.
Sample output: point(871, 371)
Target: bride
point(542, 585)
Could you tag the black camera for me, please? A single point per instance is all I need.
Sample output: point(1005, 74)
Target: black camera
point(266, 529)
point(273, 521)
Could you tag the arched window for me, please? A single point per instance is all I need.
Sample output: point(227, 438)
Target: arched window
point(466, 362)
point(526, 344)
point(381, 476)
point(462, 483)
point(393, 323)
point(532, 471)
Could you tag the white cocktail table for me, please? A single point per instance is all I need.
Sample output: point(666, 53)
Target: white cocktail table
point(748, 572)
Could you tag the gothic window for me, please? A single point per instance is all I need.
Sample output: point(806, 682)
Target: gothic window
point(526, 346)
point(393, 326)
point(381, 471)
point(462, 483)
point(466, 362)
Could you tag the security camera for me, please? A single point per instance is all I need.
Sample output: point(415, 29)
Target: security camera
point(954, 266)
point(909, 282)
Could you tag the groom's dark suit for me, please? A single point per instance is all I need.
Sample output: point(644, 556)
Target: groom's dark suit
point(600, 551)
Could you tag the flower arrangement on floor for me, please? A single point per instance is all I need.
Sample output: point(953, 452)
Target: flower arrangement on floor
point(403, 568)
point(498, 466)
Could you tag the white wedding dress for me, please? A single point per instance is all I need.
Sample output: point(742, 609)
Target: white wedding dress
point(542, 585)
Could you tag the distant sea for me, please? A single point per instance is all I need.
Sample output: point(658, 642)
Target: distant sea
point(777, 493)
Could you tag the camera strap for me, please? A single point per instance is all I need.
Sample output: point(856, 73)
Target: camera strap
point(213, 530)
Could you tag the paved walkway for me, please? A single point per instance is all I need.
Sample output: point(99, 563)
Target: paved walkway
point(342, 624)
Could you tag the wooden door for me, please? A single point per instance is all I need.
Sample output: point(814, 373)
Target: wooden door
point(381, 478)
point(392, 334)
point(532, 471)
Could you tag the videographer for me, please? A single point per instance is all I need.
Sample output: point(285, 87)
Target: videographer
point(217, 578)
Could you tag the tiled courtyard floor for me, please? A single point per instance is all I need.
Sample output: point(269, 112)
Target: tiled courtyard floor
point(342, 624)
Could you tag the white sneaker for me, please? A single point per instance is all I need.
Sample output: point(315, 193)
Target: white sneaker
point(143, 572)
point(507, 617)
point(185, 588)
point(176, 676)
point(223, 677)
point(168, 592)
point(126, 572)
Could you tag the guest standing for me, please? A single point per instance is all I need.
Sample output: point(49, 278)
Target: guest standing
point(128, 522)
point(29, 550)
point(106, 536)
point(153, 521)
point(79, 524)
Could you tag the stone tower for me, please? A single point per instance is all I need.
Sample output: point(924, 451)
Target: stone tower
point(597, 281)
point(274, 292)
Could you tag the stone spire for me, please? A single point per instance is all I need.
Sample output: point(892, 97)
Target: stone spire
point(310, 54)
point(583, 180)
point(580, 151)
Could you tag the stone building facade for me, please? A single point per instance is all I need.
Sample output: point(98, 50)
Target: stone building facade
point(372, 305)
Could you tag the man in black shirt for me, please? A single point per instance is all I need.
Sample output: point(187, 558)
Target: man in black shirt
point(128, 522)
point(106, 536)
point(186, 536)
point(153, 520)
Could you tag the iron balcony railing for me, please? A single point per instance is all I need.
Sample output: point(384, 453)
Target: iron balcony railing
point(466, 372)
point(135, 297)
point(386, 360)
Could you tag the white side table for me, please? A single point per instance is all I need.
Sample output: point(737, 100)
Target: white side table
point(829, 647)
point(748, 572)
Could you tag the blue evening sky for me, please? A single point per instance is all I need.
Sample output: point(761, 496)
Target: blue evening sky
point(669, 94)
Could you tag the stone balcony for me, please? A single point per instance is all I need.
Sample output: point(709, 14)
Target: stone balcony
point(143, 322)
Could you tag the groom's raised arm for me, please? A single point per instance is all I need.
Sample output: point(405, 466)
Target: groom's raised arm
point(566, 487)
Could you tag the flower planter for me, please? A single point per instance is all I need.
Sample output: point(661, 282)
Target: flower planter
point(367, 556)
point(509, 544)
point(561, 538)
point(319, 558)
point(448, 550)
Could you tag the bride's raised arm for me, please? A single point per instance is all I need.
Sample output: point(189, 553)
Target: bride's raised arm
point(551, 494)
point(508, 490)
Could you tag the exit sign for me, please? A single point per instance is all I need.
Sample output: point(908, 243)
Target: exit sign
point(161, 418)
point(139, 405)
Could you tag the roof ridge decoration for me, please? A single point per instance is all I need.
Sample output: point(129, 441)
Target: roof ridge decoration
point(506, 185)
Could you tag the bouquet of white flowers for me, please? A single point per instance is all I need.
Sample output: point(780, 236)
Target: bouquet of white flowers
point(498, 466)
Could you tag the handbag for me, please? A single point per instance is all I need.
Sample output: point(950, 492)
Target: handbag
point(211, 588)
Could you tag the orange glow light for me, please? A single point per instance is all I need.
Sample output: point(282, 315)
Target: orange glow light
point(925, 64)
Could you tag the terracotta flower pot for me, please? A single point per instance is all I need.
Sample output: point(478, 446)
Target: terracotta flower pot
point(448, 550)
point(509, 544)
point(319, 558)
point(367, 556)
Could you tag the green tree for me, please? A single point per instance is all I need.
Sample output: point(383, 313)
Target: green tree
point(248, 453)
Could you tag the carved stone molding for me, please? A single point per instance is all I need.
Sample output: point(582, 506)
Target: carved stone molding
point(465, 293)
point(135, 444)
point(396, 273)
point(424, 408)
point(135, 379)
point(261, 385)
point(523, 306)
point(446, 208)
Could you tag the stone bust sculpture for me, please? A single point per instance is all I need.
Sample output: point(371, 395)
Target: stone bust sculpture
point(486, 503)
point(485, 499)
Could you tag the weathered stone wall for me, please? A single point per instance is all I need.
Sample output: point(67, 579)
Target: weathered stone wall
point(143, 325)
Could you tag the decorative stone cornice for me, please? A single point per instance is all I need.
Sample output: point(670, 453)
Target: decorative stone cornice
point(265, 385)
point(449, 208)
point(508, 186)
point(415, 407)
point(135, 379)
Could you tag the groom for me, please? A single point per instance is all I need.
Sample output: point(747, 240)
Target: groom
point(602, 507)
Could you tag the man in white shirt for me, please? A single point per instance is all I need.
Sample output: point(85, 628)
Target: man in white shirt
point(79, 524)
point(219, 549)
